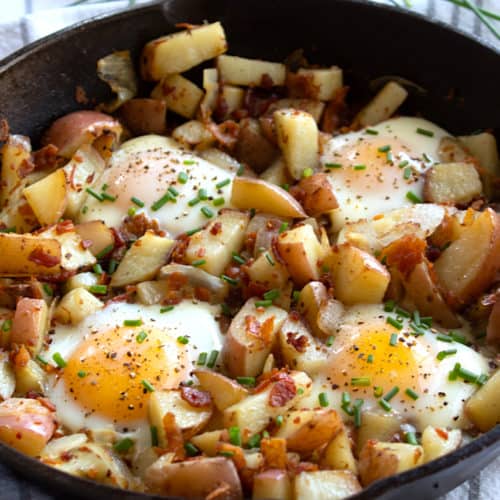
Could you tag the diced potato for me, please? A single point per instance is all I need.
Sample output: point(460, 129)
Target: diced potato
point(196, 478)
point(25, 424)
point(469, 265)
point(308, 430)
point(189, 419)
point(274, 452)
point(326, 485)
point(250, 72)
point(483, 407)
point(272, 484)
point(358, 277)
point(6, 317)
point(180, 95)
point(255, 412)
point(30, 324)
point(7, 377)
point(313, 107)
point(221, 159)
point(207, 442)
point(250, 338)
point(98, 233)
point(143, 260)
point(484, 148)
point(81, 280)
point(268, 271)
point(232, 99)
point(76, 305)
point(218, 241)
point(439, 442)
point(151, 292)
point(211, 87)
point(297, 133)
point(266, 197)
point(47, 197)
point(145, 116)
point(277, 173)
point(193, 133)
point(30, 377)
point(325, 81)
point(181, 51)
point(379, 426)
point(338, 454)
point(302, 253)
point(317, 194)
point(56, 447)
point(452, 183)
point(14, 154)
point(225, 392)
point(383, 105)
point(311, 297)
point(378, 459)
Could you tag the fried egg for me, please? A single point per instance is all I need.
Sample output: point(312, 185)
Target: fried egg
point(380, 168)
point(116, 356)
point(154, 176)
point(370, 358)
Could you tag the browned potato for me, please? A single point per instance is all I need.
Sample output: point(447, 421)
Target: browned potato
point(483, 407)
point(379, 426)
point(316, 194)
point(225, 392)
point(469, 265)
point(30, 324)
point(97, 233)
point(454, 183)
point(144, 116)
point(272, 484)
point(493, 327)
point(311, 297)
point(339, 453)
point(438, 442)
point(196, 478)
point(326, 485)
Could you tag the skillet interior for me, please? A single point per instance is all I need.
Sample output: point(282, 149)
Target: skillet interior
point(37, 84)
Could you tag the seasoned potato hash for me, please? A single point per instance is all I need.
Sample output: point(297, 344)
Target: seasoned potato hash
point(247, 278)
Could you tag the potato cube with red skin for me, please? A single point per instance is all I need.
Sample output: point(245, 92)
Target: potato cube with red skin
point(30, 324)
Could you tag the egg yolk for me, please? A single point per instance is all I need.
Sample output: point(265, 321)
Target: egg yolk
point(112, 373)
point(374, 358)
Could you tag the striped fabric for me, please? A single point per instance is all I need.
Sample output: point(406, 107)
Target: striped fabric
point(23, 21)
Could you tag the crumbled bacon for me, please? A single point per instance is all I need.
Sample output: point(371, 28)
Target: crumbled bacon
point(226, 134)
point(441, 433)
point(136, 226)
point(26, 167)
point(195, 397)
point(302, 86)
point(252, 325)
point(335, 112)
point(46, 158)
point(216, 228)
point(174, 438)
point(299, 343)
point(257, 101)
point(65, 226)
point(283, 391)
point(405, 253)
point(4, 130)
point(40, 257)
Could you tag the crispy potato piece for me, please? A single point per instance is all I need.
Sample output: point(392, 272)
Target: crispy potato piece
point(317, 194)
point(208, 442)
point(15, 154)
point(143, 260)
point(250, 72)
point(324, 81)
point(272, 484)
point(197, 478)
point(151, 292)
point(313, 107)
point(493, 326)
point(382, 427)
point(261, 195)
point(454, 183)
point(255, 412)
point(7, 377)
point(25, 424)
point(308, 430)
point(181, 51)
point(358, 277)
point(231, 99)
point(277, 173)
point(98, 233)
point(311, 297)
point(297, 134)
point(76, 305)
point(382, 106)
point(47, 197)
point(193, 133)
point(211, 87)
point(73, 130)
point(378, 459)
point(338, 454)
point(218, 241)
point(29, 377)
point(221, 159)
point(30, 324)
point(225, 392)
point(469, 265)
point(451, 150)
point(81, 280)
point(484, 148)
point(179, 94)
point(274, 452)
point(439, 442)
point(326, 485)
point(250, 338)
point(145, 116)
point(55, 447)
point(268, 271)
point(483, 407)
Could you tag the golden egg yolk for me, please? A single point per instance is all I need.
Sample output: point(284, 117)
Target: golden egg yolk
point(112, 373)
point(368, 359)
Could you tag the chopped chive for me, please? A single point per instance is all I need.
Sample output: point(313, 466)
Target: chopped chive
point(407, 173)
point(198, 263)
point(59, 360)
point(458, 338)
point(202, 358)
point(98, 289)
point(307, 172)
point(423, 131)
point(250, 381)
point(202, 194)
point(166, 309)
point(132, 322)
point(300, 391)
point(378, 391)
point(389, 306)
point(13, 228)
point(191, 449)
point(357, 415)
point(389, 157)
point(272, 294)
point(123, 445)
point(235, 436)
point(411, 393)
point(229, 280)
point(416, 317)
point(93, 193)
point(391, 393)
point(237, 258)
point(113, 264)
point(182, 339)
point(279, 420)
point(254, 441)
point(323, 399)
point(371, 131)
point(286, 186)
point(333, 165)
point(384, 404)
point(182, 178)
point(193, 231)
point(105, 251)
point(269, 259)
point(240, 171)
point(41, 360)
point(369, 359)
point(411, 438)
point(188, 383)
point(194, 202)
point(453, 375)
point(467, 375)
point(329, 341)
point(394, 339)
point(141, 337)
point(212, 359)
point(426, 320)
point(443, 354)
point(403, 164)
point(402, 312)
point(206, 212)
point(48, 289)
point(226, 453)
point(154, 435)
point(97, 269)
point(417, 329)
point(263, 303)
point(104, 187)
point(173, 191)
point(82, 374)
point(85, 209)
point(189, 162)
point(359, 167)
point(131, 211)
point(162, 201)
point(426, 158)
point(395, 323)
point(283, 227)
point(360, 381)
point(346, 398)
point(218, 202)
point(108, 197)
point(223, 183)
point(482, 379)
point(410, 195)
point(384, 149)
point(295, 296)
point(444, 338)
point(147, 385)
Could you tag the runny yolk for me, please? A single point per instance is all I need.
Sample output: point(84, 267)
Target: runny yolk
point(111, 373)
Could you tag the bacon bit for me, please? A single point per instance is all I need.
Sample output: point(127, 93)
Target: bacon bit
point(221, 106)
point(226, 134)
point(335, 112)
point(201, 252)
point(442, 433)
point(267, 329)
point(252, 325)
point(40, 257)
point(276, 252)
point(46, 403)
point(46, 158)
point(253, 289)
point(180, 248)
point(21, 357)
point(274, 452)
point(195, 397)
point(294, 315)
point(202, 293)
point(172, 297)
point(136, 226)
point(66, 456)
point(302, 86)
point(237, 454)
point(26, 167)
point(296, 469)
point(250, 240)
point(66, 226)
point(299, 343)
point(176, 281)
point(257, 101)
point(216, 228)
point(405, 253)
point(81, 95)
point(86, 244)
point(221, 492)
point(175, 441)
point(283, 391)
point(266, 82)
point(4, 130)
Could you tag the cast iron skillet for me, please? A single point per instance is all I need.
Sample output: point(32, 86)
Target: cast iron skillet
point(37, 84)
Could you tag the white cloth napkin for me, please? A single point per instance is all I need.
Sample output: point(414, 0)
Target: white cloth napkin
point(23, 22)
